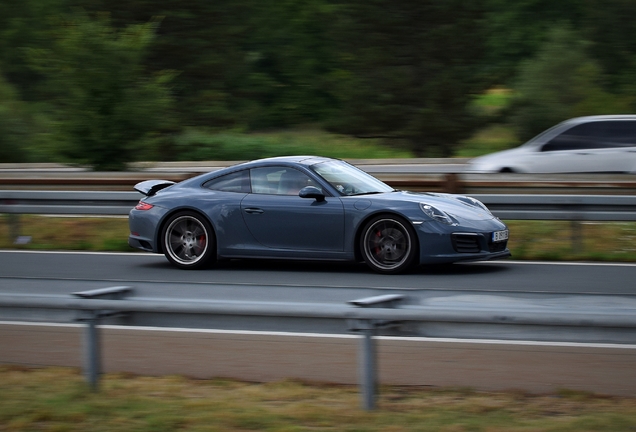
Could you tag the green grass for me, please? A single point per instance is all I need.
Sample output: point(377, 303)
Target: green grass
point(57, 399)
point(529, 240)
point(571, 241)
point(488, 140)
point(493, 101)
point(492, 137)
point(65, 233)
point(195, 145)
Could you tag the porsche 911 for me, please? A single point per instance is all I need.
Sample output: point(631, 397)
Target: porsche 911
point(310, 208)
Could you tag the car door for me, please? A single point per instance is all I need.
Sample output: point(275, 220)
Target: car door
point(278, 218)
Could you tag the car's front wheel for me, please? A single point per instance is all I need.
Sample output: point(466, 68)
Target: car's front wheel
point(388, 244)
point(188, 241)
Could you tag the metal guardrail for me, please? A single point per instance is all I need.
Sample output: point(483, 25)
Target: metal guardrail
point(368, 316)
point(67, 202)
point(561, 207)
point(504, 206)
point(401, 176)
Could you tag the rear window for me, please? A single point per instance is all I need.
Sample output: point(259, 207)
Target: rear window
point(234, 182)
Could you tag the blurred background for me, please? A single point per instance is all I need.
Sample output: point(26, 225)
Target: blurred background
point(104, 83)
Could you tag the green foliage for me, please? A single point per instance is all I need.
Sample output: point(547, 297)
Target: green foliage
point(197, 144)
point(26, 24)
point(608, 26)
point(515, 30)
point(104, 103)
point(57, 399)
point(561, 82)
point(288, 60)
point(490, 139)
point(14, 128)
point(205, 41)
point(404, 72)
point(409, 70)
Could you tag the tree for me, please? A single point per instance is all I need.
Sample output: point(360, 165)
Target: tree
point(409, 70)
point(242, 63)
point(26, 24)
point(561, 82)
point(14, 125)
point(515, 30)
point(289, 56)
point(103, 102)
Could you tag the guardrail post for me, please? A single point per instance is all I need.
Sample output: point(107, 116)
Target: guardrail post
point(13, 223)
point(576, 232)
point(92, 345)
point(452, 183)
point(367, 356)
point(92, 354)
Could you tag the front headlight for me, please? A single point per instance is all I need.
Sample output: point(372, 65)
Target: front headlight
point(436, 214)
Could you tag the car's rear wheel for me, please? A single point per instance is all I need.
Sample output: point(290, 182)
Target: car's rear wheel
point(188, 241)
point(388, 244)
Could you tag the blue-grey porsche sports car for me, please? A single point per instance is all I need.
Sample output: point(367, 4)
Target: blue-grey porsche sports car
point(314, 208)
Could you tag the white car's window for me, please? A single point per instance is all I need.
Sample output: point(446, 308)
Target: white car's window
point(278, 181)
point(349, 180)
point(595, 135)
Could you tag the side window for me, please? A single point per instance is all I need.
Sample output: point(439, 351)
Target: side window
point(278, 181)
point(595, 135)
point(234, 182)
point(620, 133)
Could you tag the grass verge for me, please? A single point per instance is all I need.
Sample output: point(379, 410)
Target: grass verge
point(529, 240)
point(56, 399)
point(201, 145)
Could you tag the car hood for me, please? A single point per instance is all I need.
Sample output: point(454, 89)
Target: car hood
point(457, 206)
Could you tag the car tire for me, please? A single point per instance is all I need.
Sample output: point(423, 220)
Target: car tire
point(388, 244)
point(188, 240)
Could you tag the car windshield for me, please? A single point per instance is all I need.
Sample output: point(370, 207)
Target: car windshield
point(349, 180)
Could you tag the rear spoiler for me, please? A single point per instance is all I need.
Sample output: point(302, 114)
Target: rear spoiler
point(151, 187)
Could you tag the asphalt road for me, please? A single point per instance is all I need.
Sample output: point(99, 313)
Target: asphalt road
point(59, 273)
point(274, 353)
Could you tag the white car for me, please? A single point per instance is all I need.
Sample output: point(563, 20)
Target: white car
point(601, 144)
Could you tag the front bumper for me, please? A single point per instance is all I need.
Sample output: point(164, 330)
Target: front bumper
point(439, 244)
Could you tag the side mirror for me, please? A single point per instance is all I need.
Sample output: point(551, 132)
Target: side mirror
point(312, 192)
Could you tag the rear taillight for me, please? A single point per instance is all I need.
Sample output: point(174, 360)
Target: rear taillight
point(143, 206)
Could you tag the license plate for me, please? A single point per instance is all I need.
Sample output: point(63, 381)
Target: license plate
point(498, 236)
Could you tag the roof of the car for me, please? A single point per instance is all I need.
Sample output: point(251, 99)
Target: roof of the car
point(587, 119)
point(303, 160)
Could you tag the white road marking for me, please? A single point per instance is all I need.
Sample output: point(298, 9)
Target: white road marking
point(333, 336)
point(495, 262)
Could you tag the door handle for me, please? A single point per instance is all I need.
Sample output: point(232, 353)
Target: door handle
point(254, 211)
